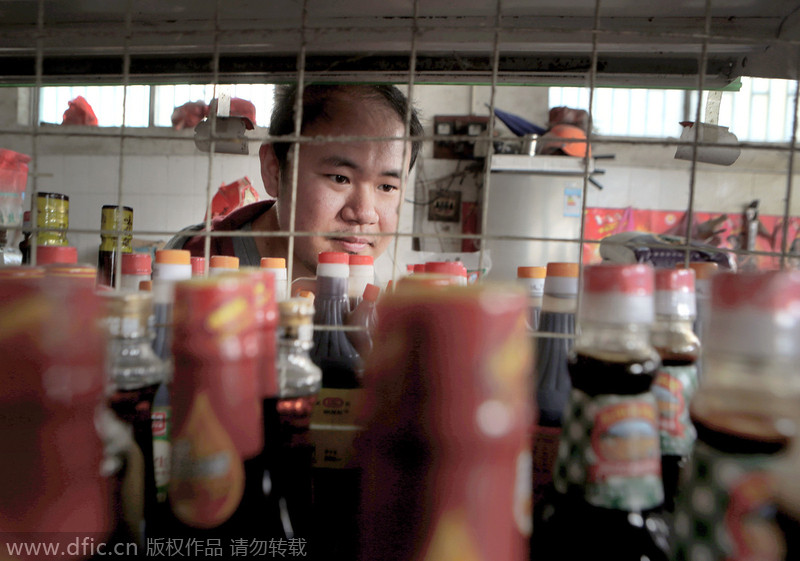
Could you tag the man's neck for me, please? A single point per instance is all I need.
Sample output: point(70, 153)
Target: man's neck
point(276, 246)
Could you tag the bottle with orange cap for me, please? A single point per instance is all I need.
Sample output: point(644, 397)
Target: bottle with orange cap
point(532, 279)
point(553, 344)
point(221, 264)
point(608, 489)
point(277, 265)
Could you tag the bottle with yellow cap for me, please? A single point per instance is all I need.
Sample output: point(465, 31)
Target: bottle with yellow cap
point(532, 278)
point(113, 218)
point(277, 265)
point(553, 344)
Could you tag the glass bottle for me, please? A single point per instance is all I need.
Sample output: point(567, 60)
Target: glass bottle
point(52, 215)
point(675, 384)
point(532, 279)
point(333, 421)
point(608, 489)
point(445, 452)
point(113, 218)
point(553, 344)
point(135, 373)
point(365, 317)
point(745, 412)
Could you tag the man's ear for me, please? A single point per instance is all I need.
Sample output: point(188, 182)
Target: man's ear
point(270, 169)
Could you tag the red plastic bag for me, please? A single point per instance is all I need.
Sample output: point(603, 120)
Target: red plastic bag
point(189, 114)
point(232, 196)
point(79, 112)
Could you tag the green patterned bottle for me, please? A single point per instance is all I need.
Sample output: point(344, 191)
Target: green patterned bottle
point(608, 472)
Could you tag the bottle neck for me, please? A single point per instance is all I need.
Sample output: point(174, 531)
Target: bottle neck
point(629, 339)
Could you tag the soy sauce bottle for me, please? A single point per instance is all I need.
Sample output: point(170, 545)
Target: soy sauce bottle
point(608, 488)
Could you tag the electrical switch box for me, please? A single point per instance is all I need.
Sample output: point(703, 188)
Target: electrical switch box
point(444, 206)
point(466, 130)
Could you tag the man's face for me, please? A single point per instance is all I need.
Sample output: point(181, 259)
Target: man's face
point(352, 188)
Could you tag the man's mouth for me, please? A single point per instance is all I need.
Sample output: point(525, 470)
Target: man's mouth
point(353, 244)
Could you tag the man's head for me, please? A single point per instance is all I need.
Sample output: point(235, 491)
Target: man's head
point(350, 186)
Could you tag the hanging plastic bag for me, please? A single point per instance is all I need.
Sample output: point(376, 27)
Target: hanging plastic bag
point(79, 112)
point(232, 196)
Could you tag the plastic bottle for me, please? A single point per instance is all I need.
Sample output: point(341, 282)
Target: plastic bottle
point(364, 316)
point(532, 279)
point(445, 449)
point(745, 412)
point(362, 273)
point(676, 381)
point(220, 264)
point(608, 473)
point(52, 215)
point(453, 268)
point(136, 267)
point(553, 344)
point(277, 265)
point(112, 219)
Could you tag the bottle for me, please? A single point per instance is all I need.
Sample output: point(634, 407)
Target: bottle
point(135, 373)
point(52, 217)
point(48, 254)
point(136, 267)
point(362, 273)
point(676, 381)
point(171, 266)
point(608, 473)
point(365, 317)
point(112, 219)
point(704, 271)
point(220, 264)
point(333, 421)
point(532, 278)
point(277, 265)
point(445, 452)
point(25, 244)
point(745, 412)
point(553, 344)
point(287, 417)
point(198, 266)
point(216, 410)
point(454, 268)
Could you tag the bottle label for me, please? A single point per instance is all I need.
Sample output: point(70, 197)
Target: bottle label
point(160, 417)
point(207, 480)
point(674, 387)
point(725, 509)
point(610, 448)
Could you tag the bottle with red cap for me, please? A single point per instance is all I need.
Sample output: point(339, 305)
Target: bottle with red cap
point(48, 254)
point(136, 267)
point(553, 344)
point(198, 266)
point(532, 279)
point(745, 413)
point(456, 269)
point(676, 381)
point(362, 273)
point(608, 473)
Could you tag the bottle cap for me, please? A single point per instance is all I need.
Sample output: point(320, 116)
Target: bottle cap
point(756, 314)
point(419, 268)
point(561, 269)
point(561, 280)
point(136, 264)
point(674, 295)
point(173, 256)
point(47, 254)
point(338, 257)
point(360, 260)
point(273, 262)
point(703, 270)
point(531, 272)
point(618, 293)
point(198, 266)
point(446, 267)
point(224, 262)
point(371, 292)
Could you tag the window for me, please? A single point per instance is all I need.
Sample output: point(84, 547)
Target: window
point(763, 109)
point(107, 102)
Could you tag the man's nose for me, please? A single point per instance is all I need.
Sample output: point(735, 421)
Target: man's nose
point(359, 207)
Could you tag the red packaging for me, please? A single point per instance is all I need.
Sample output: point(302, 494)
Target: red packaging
point(266, 311)
point(445, 449)
point(216, 403)
point(79, 112)
point(52, 453)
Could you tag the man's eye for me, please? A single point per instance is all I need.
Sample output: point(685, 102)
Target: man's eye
point(341, 179)
point(386, 188)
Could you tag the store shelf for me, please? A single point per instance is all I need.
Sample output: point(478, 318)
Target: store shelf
point(542, 165)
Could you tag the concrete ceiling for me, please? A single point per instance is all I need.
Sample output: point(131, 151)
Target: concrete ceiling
point(634, 42)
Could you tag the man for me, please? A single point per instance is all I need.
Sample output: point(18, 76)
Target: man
point(347, 190)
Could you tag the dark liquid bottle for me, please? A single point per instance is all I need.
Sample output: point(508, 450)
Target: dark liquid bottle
point(336, 480)
point(607, 482)
point(108, 253)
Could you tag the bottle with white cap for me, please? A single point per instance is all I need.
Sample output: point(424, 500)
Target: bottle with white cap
point(136, 267)
point(608, 473)
point(532, 279)
point(278, 267)
point(672, 335)
point(745, 413)
point(362, 273)
point(220, 264)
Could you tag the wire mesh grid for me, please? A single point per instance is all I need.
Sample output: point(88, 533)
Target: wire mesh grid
point(307, 37)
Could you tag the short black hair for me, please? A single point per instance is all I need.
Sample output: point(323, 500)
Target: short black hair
point(316, 98)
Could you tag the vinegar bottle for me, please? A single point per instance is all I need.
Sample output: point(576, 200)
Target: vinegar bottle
point(113, 218)
point(608, 489)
